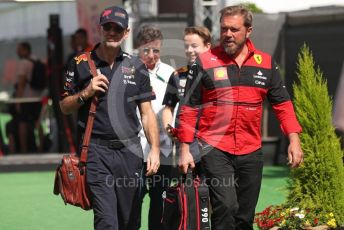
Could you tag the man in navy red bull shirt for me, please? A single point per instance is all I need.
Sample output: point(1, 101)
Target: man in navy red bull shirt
point(115, 158)
point(228, 85)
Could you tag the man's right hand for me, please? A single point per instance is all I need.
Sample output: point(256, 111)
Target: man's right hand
point(153, 162)
point(98, 84)
point(172, 132)
point(185, 159)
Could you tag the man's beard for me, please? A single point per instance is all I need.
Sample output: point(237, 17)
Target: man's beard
point(233, 51)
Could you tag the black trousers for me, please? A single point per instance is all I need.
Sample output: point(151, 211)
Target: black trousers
point(155, 185)
point(234, 183)
point(114, 179)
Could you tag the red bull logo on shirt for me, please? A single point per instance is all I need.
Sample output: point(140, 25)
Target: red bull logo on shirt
point(81, 57)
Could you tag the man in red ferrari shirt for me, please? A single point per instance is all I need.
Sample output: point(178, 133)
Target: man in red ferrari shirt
point(228, 85)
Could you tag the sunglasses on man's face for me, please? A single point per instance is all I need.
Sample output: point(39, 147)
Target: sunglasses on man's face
point(147, 50)
point(110, 26)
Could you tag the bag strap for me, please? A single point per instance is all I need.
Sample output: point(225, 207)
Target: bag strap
point(203, 197)
point(190, 196)
point(91, 115)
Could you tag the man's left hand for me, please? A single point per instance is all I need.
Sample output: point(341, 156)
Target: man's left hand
point(295, 154)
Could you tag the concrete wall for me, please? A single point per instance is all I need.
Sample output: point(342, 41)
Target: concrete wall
point(23, 20)
point(29, 22)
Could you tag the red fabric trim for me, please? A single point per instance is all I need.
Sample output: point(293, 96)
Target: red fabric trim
point(185, 216)
point(196, 184)
point(181, 206)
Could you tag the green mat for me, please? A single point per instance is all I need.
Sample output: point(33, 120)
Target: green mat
point(4, 118)
point(27, 202)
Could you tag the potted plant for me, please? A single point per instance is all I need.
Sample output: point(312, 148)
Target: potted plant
point(316, 188)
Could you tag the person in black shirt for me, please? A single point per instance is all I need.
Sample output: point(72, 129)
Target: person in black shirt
point(115, 159)
point(197, 40)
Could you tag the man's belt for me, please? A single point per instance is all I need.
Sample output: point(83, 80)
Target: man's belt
point(115, 143)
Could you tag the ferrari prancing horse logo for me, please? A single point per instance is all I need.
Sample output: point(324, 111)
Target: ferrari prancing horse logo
point(258, 58)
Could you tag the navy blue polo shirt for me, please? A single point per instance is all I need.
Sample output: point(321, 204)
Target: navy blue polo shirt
point(116, 110)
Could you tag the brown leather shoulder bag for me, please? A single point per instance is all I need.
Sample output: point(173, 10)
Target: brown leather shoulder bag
point(70, 176)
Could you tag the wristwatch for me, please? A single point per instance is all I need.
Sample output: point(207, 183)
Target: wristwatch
point(81, 100)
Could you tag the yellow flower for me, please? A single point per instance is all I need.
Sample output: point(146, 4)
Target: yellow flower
point(282, 214)
point(331, 214)
point(308, 223)
point(283, 223)
point(332, 223)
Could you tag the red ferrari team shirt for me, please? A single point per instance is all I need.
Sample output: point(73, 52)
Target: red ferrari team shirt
point(230, 98)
